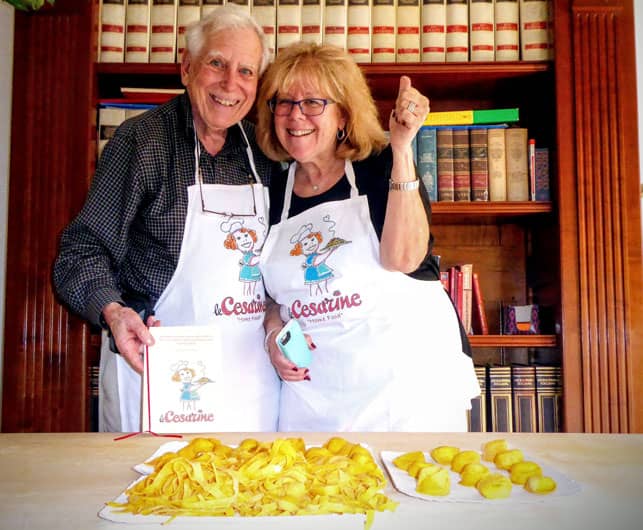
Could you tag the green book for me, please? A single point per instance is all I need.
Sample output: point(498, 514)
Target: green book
point(495, 115)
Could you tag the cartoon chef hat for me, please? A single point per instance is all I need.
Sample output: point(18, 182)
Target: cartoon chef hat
point(231, 225)
point(304, 231)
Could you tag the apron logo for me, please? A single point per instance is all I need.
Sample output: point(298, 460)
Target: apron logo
point(327, 306)
point(230, 307)
point(191, 379)
point(244, 240)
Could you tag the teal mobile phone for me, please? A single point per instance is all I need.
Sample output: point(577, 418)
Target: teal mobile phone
point(293, 345)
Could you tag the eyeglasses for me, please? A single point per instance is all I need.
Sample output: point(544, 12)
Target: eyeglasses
point(228, 214)
point(307, 106)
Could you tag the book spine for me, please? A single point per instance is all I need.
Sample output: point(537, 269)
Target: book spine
point(444, 279)
point(312, 15)
point(542, 174)
point(427, 164)
point(288, 22)
point(461, 165)
point(457, 36)
point(501, 399)
point(517, 165)
point(163, 31)
point(111, 45)
point(450, 117)
point(494, 116)
point(523, 383)
point(534, 34)
point(434, 24)
point(383, 36)
point(548, 394)
point(137, 31)
point(358, 39)
point(497, 164)
point(407, 40)
point(479, 313)
point(209, 5)
point(109, 118)
point(507, 30)
point(335, 23)
point(467, 295)
point(479, 164)
point(477, 416)
point(444, 138)
point(265, 13)
point(481, 43)
point(531, 157)
point(188, 11)
point(245, 4)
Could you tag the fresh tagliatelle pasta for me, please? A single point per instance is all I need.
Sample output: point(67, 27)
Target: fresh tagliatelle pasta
point(283, 477)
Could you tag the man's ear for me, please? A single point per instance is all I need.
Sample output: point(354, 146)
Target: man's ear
point(186, 65)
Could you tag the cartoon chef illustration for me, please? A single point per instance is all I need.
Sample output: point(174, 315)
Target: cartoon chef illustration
point(316, 271)
point(187, 376)
point(244, 240)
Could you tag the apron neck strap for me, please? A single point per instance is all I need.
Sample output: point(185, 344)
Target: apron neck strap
point(197, 155)
point(290, 184)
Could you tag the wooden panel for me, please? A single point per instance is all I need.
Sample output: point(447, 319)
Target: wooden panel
point(609, 250)
point(45, 384)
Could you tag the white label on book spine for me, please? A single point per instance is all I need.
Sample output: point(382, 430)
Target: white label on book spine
point(265, 13)
point(335, 22)
point(534, 34)
point(288, 22)
point(244, 4)
point(407, 41)
point(383, 35)
point(112, 31)
point(208, 6)
point(311, 21)
point(481, 30)
point(163, 33)
point(506, 30)
point(189, 11)
point(137, 31)
point(457, 31)
point(358, 39)
point(433, 38)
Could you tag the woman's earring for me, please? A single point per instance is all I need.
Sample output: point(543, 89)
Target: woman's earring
point(341, 134)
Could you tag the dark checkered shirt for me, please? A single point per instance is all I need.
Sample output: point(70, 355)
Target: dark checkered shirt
point(127, 237)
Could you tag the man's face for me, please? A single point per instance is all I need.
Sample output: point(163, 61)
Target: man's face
point(222, 82)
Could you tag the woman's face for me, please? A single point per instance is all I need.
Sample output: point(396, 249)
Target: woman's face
point(308, 138)
point(309, 244)
point(244, 240)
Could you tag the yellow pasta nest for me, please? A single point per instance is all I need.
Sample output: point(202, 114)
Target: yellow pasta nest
point(434, 480)
point(491, 448)
point(463, 458)
point(472, 473)
point(494, 486)
point(540, 485)
point(444, 454)
point(521, 471)
point(208, 478)
point(506, 459)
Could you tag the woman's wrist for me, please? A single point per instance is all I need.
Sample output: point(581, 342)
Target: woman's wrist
point(266, 341)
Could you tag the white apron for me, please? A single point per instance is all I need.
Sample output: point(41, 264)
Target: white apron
point(389, 353)
point(217, 282)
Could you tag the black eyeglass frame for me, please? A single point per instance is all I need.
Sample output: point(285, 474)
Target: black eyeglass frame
point(272, 105)
point(228, 214)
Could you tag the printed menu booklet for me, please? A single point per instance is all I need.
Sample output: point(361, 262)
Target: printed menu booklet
point(182, 380)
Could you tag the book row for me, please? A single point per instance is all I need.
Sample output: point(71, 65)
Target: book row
point(517, 398)
point(373, 31)
point(462, 284)
point(482, 163)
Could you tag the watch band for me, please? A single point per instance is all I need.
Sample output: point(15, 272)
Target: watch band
point(404, 186)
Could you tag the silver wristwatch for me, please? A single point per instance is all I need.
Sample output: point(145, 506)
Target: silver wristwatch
point(404, 186)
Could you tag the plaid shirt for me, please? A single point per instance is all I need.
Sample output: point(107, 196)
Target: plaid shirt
point(127, 237)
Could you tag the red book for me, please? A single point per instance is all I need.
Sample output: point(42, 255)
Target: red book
point(479, 315)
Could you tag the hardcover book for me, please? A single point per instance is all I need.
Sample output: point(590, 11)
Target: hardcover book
point(479, 164)
point(358, 39)
point(137, 31)
point(501, 398)
point(383, 34)
point(481, 20)
point(523, 382)
point(506, 14)
point(461, 165)
point(408, 31)
point(265, 13)
point(312, 14)
point(479, 314)
point(245, 4)
point(444, 138)
point(542, 174)
point(188, 11)
point(517, 165)
point(288, 22)
point(427, 160)
point(335, 23)
point(497, 162)
point(472, 117)
point(209, 5)
point(549, 396)
point(534, 33)
point(477, 416)
point(434, 25)
point(467, 295)
point(163, 31)
point(111, 45)
point(109, 118)
point(457, 37)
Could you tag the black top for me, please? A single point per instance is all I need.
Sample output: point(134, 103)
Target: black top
point(372, 178)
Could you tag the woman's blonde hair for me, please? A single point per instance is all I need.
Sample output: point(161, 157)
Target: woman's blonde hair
point(333, 72)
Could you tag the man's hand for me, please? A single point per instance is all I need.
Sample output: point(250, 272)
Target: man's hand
point(130, 333)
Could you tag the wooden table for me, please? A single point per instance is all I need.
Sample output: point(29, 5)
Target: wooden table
point(61, 481)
